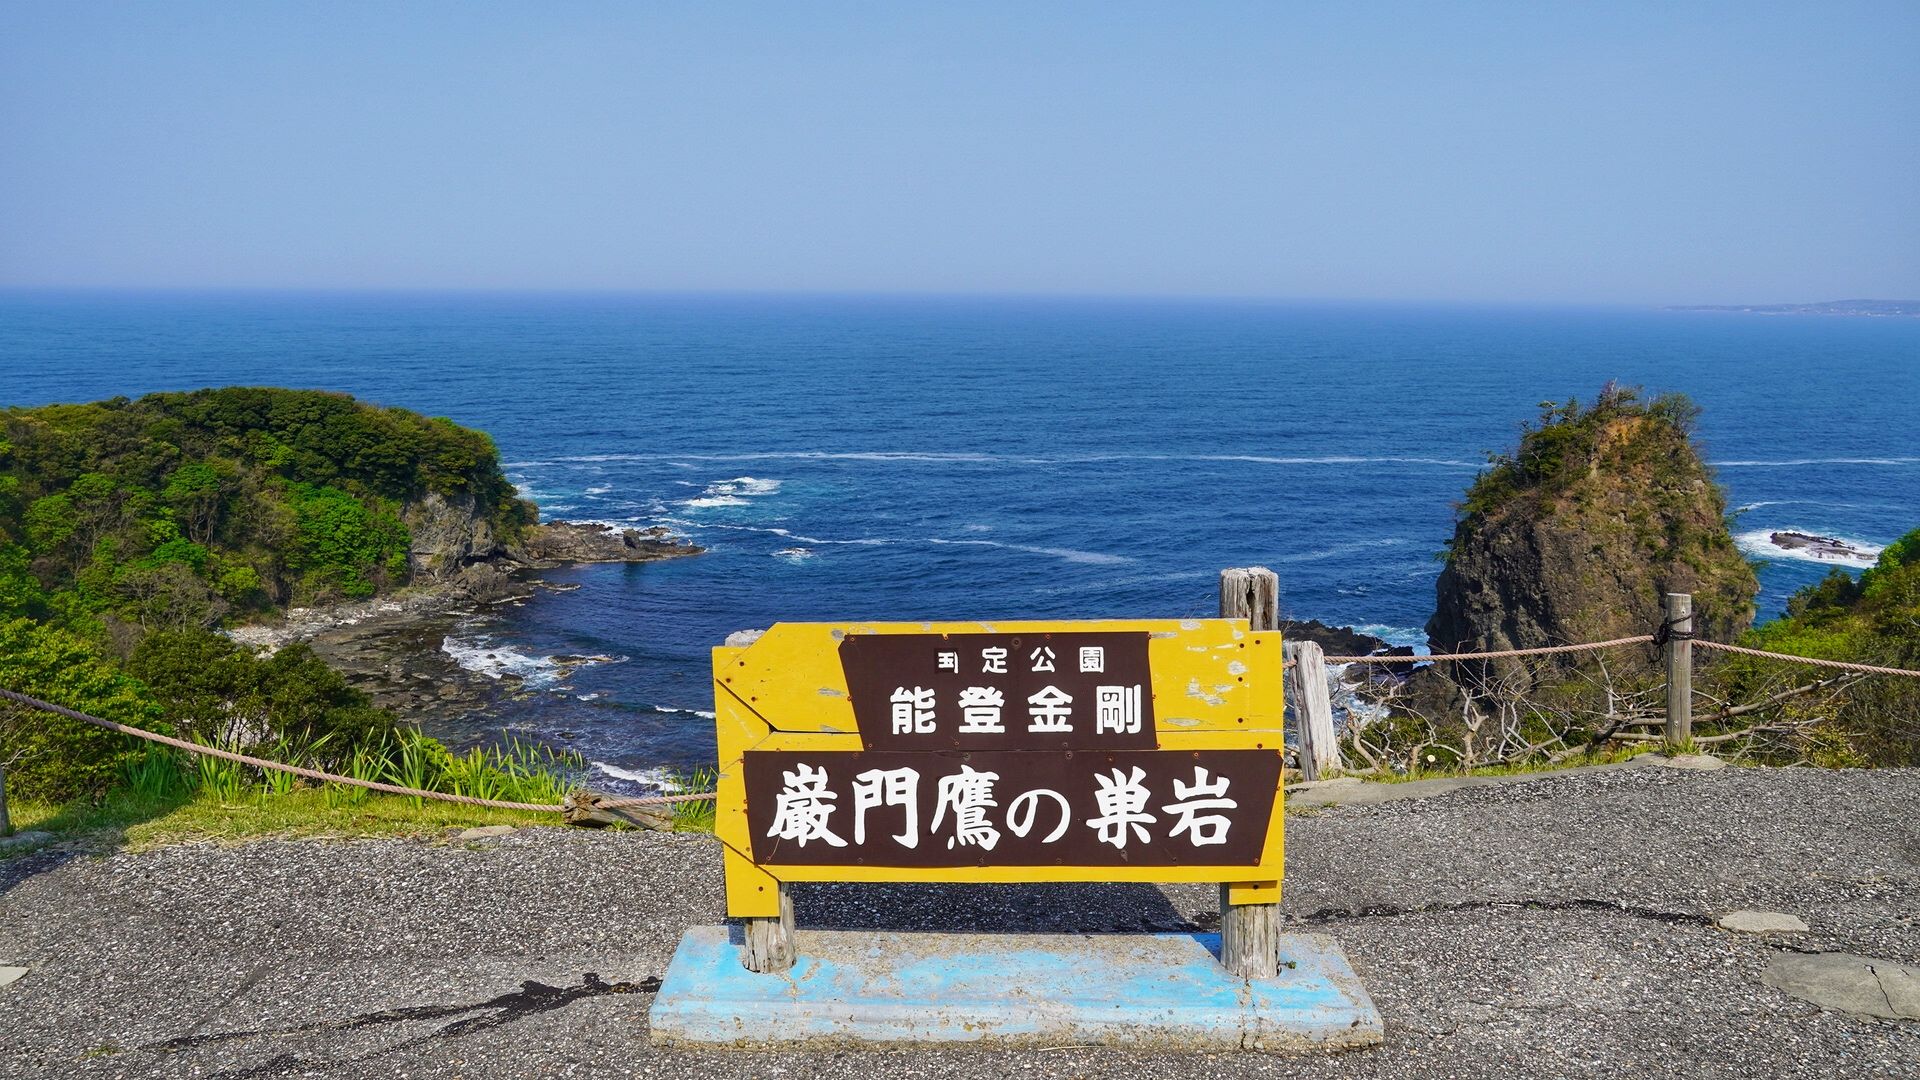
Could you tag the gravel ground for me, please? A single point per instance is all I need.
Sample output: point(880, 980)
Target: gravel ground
point(1556, 928)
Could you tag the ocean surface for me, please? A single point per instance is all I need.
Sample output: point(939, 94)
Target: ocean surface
point(886, 458)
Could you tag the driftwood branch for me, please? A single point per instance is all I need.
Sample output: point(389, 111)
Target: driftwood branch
point(1841, 681)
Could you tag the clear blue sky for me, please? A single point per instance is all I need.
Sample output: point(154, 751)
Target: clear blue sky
point(1617, 152)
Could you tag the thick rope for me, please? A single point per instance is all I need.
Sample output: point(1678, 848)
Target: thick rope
point(1839, 665)
point(1638, 639)
point(327, 777)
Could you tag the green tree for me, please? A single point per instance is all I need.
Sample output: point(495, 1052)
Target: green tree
point(219, 692)
point(197, 492)
point(56, 757)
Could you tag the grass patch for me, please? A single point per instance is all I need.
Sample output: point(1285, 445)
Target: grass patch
point(693, 816)
point(135, 821)
point(167, 797)
point(1610, 756)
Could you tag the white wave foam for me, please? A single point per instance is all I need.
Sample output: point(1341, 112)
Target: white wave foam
point(734, 492)
point(1396, 635)
point(1069, 554)
point(1338, 550)
point(600, 490)
point(703, 713)
point(656, 778)
point(1110, 584)
point(1759, 544)
point(1792, 462)
point(941, 457)
point(480, 655)
point(793, 554)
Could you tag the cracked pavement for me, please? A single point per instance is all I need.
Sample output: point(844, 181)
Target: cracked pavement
point(1561, 927)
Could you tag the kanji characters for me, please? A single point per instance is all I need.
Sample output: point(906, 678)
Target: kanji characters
point(980, 711)
point(1122, 800)
point(803, 807)
point(1051, 709)
point(1116, 709)
point(1042, 658)
point(993, 660)
point(912, 711)
point(1203, 829)
point(887, 787)
point(1093, 658)
point(968, 793)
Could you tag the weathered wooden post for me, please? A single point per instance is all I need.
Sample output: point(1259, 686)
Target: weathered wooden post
point(1312, 708)
point(1250, 932)
point(6, 823)
point(769, 942)
point(1678, 612)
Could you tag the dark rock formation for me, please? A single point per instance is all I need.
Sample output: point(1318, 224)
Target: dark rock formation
point(1576, 536)
point(455, 544)
point(558, 542)
point(1334, 640)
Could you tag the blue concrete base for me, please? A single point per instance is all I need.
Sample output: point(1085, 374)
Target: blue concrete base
point(852, 987)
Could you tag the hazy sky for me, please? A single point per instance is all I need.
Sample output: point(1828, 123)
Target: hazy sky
point(1529, 151)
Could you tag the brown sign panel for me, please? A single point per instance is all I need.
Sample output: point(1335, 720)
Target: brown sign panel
point(1010, 808)
point(1045, 691)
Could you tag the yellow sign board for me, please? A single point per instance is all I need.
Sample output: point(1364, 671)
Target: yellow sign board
point(1118, 750)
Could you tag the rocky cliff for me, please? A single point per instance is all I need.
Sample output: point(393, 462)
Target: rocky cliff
point(1577, 534)
point(455, 543)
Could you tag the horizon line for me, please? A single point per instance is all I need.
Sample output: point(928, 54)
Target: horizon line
point(898, 294)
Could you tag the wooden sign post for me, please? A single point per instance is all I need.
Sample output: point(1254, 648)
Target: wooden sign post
point(1144, 750)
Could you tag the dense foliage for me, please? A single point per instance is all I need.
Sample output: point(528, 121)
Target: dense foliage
point(1620, 428)
point(1874, 619)
point(179, 510)
point(130, 529)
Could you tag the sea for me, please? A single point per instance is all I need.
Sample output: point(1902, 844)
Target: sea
point(876, 457)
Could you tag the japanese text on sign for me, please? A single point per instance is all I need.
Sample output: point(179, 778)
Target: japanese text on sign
point(887, 808)
point(1086, 690)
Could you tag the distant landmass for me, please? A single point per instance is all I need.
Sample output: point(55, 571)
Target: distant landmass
point(1871, 308)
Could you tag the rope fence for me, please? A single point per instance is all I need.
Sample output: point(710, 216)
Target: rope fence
point(334, 778)
point(1498, 654)
point(1838, 665)
point(1638, 639)
point(668, 800)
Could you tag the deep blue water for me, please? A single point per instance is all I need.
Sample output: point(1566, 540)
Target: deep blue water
point(976, 458)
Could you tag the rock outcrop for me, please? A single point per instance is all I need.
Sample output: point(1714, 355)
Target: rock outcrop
point(456, 543)
point(1576, 536)
point(558, 542)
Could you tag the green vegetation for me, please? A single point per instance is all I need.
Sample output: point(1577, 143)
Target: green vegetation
point(1873, 620)
point(130, 530)
point(185, 510)
point(1620, 428)
point(166, 795)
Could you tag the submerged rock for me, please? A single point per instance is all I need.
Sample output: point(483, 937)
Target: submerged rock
point(1820, 547)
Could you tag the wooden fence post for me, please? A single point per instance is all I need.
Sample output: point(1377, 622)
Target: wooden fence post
point(6, 823)
point(769, 942)
point(1678, 612)
point(1250, 933)
point(1312, 709)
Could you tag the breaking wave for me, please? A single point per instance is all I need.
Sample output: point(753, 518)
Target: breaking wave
point(734, 492)
point(1759, 543)
point(482, 656)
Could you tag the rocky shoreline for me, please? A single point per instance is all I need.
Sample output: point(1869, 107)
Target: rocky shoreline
point(392, 647)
